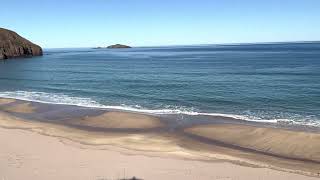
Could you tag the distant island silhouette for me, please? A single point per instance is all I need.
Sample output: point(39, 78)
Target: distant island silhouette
point(115, 46)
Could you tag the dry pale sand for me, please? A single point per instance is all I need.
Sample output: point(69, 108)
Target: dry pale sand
point(119, 120)
point(29, 155)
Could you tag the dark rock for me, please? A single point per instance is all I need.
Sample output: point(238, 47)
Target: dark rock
point(118, 46)
point(12, 45)
point(133, 178)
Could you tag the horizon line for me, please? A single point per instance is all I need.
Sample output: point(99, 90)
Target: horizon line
point(206, 44)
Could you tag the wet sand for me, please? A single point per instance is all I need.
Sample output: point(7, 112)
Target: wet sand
point(234, 149)
point(273, 141)
point(6, 101)
point(19, 108)
point(281, 149)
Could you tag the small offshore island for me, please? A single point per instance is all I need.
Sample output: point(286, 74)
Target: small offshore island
point(115, 46)
point(13, 45)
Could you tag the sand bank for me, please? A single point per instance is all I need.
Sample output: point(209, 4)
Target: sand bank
point(12, 105)
point(119, 120)
point(274, 141)
point(6, 101)
point(19, 108)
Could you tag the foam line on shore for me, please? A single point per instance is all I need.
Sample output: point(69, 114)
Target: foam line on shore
point(59, 98)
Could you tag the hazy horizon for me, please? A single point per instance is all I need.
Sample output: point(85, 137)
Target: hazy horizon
point(186, 45)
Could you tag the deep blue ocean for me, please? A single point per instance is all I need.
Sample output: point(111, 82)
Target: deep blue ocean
point(258, 82)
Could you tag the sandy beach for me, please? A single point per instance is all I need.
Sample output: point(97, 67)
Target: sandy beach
point(160, 90)
point(37, 144)
point(29, 155)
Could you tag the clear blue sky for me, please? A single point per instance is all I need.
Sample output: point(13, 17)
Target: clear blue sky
point(84, 23)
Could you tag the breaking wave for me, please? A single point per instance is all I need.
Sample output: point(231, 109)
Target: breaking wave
point(59, 98)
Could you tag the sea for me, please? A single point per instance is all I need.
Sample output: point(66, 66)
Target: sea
point(267, 82)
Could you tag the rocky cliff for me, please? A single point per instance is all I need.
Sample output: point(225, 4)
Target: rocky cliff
point(12, 45)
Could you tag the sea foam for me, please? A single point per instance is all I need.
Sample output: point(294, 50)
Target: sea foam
point(59, 98)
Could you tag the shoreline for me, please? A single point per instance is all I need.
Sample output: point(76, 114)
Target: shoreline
point(213, 117)
point(160, 137)
point(174, 112)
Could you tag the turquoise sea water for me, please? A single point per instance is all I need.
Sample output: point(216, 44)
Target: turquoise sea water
point(258, 82)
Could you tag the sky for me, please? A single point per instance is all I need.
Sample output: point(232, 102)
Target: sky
point(84, 23)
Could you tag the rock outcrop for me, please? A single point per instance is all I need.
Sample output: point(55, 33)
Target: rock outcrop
point(118, 46)
point(12, 45)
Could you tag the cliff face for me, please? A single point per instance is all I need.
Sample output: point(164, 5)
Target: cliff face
point(12, 45)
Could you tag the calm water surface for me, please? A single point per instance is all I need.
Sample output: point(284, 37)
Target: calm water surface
point(274, 82)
